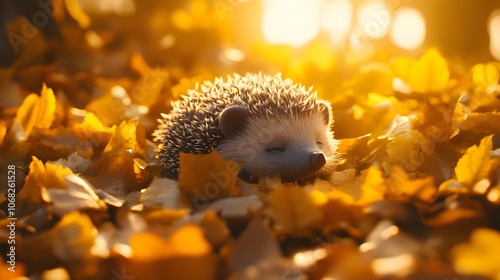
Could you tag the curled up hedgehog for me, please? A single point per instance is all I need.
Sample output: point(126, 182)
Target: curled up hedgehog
point(269, 125)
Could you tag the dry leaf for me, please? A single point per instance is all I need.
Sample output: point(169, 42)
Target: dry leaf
point(373, 188)
point(256, 243)
point(205, 178)
point(78, 195)
point(3, 132)
point(293, 209)
point(429, 73)
point(37, 112)
point(402, 188)
point(184, 255)
point(127, 136)
point(163, 192)
point(485, 75)
point(476, 163)
point(70, 241)
point(42, 176)
point(409, 150)
point(480, 255)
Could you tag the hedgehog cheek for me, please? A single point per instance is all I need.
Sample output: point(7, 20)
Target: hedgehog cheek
point(233, 121)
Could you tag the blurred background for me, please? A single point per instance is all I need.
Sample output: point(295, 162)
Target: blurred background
point(79, 47)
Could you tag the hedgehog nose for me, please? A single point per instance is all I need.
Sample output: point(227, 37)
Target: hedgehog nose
point(317, 160)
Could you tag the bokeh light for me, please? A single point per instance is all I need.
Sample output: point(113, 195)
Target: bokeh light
point(120, 7)
point(337, 19)
point(292, 22)
point(374, 19)
point(494, 29)
point(408, 29)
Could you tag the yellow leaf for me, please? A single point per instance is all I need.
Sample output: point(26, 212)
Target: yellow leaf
point(125, 137)
point(40, 175)
point(37, 112)
point(409, 150)
point(402, 67)
point(91, 122)
point(77, 13)
point(293, 209)
point(375, 77)
point(374, 187)
point(69, 242)
point(3, 131)
point(485, 75)
point(476, 163)
point(480, 255)
point(207, 177)
point(429, 73)
point(402, 188)
point(185, 254)
point(340, 209)
point(138, 64)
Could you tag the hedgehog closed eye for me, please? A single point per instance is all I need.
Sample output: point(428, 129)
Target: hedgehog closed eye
point(275, 149)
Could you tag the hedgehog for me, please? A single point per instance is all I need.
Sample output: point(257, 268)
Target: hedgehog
point(270, 126)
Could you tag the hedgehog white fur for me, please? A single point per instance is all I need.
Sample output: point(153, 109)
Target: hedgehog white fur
point(269, 125)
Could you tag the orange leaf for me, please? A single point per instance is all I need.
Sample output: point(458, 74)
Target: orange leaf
point(374, 187)
point(37, 112)
point(183, 255)
point(476, 163)
point(204, 178)
point(42, 176)
point(429, 73)
point(480, 255)
point(126, 136)
point(293, 209)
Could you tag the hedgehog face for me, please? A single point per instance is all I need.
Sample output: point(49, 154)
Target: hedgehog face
point(291, 147)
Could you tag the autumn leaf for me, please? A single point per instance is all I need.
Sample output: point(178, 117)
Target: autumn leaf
point(402, 188)
point(429, 73)
point(204, 178)
point(184, 255)
point(163, 192)
point(126, 136)
point(402, 67)
point(293, 209)
point(78, 14)
point(485, 75)
point(79, 195)
point(8, 272)
point(69, 241)
point(256, 243)
point(37, 112)
point(41, 175)
point(480, 255)
point(115, 173)
point(375, 77)
point(409, 150)
point(3, 131)
point(476, 163)
point(373, 188)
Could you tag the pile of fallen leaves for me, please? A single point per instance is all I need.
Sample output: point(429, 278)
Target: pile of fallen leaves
point(416, 198)
point(416, 194)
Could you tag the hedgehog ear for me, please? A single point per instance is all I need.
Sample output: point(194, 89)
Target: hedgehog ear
point(326, 111)
point(233, 121)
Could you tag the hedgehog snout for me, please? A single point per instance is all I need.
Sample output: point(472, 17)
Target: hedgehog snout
point(318, 160)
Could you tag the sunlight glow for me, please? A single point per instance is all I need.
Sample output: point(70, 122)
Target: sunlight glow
point(337, 18)
point(408, 29)
point(374, 19)
point(292, 22)
point(494, 29)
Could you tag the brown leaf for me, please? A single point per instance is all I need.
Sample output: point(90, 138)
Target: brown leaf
point(205, 178)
